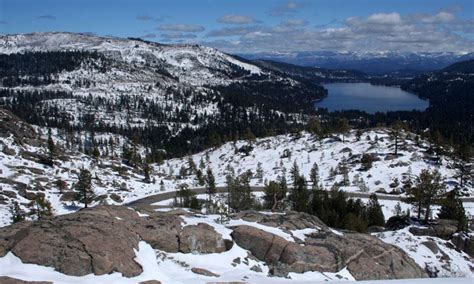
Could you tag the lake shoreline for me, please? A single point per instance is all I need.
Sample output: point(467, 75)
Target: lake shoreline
point(364, 96)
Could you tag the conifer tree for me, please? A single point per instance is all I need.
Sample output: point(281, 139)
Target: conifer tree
point(342, 127)
point(210, 183)
point(17, 214)
point(295, 173)
point(396, 134)
point(375, 215)
point(314, 176)
point(51, 145)
point(40, 207)
point(259, 172)
point(428, 191)
point(452, 208)
point(274, 194)
point(85, 193)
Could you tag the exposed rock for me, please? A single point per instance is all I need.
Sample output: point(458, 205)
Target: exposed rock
point(201, 238)
point(397, 223)
point(26, 194)
point(204, 272)
point(97, 240)
point(288, 221)
point(432, 246)
point(102, 240)
point(150, 282)
point(68, 196)
point(256, 268)
point(115, 197)
point(9, 151)
point(464, 243)
point(441, 228)
point(365, 256)
point(11, 124)
point(8, 193)
point(89, 241)
point(161, 231)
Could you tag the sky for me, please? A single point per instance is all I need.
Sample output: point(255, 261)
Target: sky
point(254, 26)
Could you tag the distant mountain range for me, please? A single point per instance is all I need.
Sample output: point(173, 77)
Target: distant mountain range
point(368, 62)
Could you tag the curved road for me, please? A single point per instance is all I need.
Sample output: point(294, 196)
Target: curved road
point(149, 200)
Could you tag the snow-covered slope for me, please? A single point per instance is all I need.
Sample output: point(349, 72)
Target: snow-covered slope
point(278, 154)
point(134, 84)
point(193, 64)
point(21, 170)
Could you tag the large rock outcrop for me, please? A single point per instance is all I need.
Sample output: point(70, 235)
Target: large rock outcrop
point(102, 240)
point(365, 256)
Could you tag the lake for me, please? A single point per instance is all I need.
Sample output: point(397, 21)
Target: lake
point(369, 98)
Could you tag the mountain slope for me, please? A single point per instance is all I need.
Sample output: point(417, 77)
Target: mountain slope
point(368, 62)
point(165, 95)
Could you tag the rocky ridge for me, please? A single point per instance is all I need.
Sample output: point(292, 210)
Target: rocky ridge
point(104, 239)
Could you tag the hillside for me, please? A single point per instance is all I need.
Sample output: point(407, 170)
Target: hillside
point(26, 169)
point(373, 63)
point(312, 74)
point(164, 95)
point(461, 67)
point(451, 99)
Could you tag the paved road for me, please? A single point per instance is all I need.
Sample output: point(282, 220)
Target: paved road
point(171, 194)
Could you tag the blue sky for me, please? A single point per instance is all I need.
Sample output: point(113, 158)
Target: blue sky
point(258, 25)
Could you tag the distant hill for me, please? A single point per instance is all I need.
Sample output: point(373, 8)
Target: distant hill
point(313, 74)
point(466, 67)
point(373, 63)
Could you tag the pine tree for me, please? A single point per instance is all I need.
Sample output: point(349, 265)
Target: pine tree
point(452, 208)
point(162, 186)
point(375, 215)
point(183, 172)
point(202, 165)
point(259, 172)
point(200, 177)
point(191, 166)
point(274, 194)
point(239, 192)
point(396, 134)
point(96, 153)
point(345, 173)
point(299, 195)
point(295, 173)
point(85, 193)
point(146, 173)
point(314, 126)
point(51, 145)
point(210, 183)
point(40, 207)
point(314, 176)
point(17, 214)
point(427, 191)
point(398, 209)
point(342, 127)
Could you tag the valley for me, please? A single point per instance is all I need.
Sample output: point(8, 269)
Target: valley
point(128, 160)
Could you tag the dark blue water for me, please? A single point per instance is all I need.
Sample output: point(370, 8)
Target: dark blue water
point(369, 98)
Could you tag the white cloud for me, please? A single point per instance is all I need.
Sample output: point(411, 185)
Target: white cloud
point(295, 23)
point(385, 19)
point(236, 19)
point(440, 31)
point(441, 17)
point(181, 28)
